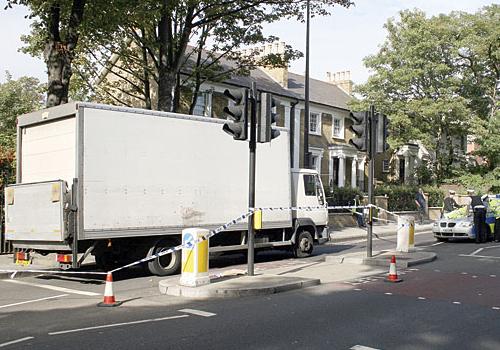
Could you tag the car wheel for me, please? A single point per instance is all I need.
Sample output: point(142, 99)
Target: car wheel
point(303, 244)
point(168, 264)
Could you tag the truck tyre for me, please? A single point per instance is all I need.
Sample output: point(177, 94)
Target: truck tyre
point(166, 265)
point(303, 244)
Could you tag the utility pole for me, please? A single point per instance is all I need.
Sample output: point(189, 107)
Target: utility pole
point(251, 177)
point(306, 93)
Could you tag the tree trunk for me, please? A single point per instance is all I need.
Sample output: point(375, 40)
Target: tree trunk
point(172, 46)
point(59, 72)
point(166, 76)
point(146, 77)
point(58, 54)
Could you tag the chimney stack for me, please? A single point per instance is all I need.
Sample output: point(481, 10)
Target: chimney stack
point(342, 80)
point(280, 74)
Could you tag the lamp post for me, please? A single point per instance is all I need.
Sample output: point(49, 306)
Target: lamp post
point(306, 93)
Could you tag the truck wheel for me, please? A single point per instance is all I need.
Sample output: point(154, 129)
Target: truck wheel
point(165, 265)
point(303, 244)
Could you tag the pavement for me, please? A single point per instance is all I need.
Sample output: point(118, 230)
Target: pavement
point(333, 268)
point(235, 283)
point(352, 233)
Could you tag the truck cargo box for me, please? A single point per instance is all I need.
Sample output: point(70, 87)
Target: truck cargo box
point(140, 173)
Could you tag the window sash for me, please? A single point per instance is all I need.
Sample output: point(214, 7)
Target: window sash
point(337, 128)
point(314, 123)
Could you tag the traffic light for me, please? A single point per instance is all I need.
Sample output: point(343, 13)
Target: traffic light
point(382, 133)
point(360, 130)
point(265, 130)
point(237, 124)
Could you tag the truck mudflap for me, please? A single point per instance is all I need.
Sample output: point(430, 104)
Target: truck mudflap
point(35, 212)
point(322, 235)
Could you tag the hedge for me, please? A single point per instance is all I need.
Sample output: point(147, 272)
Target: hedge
point(342, 195)
point(402, 198)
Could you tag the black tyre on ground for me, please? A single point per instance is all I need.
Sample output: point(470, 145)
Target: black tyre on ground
point(168, 264)
point(303, 244)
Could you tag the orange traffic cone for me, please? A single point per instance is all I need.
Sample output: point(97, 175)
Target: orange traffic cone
point(109, 296)
point(393, 275)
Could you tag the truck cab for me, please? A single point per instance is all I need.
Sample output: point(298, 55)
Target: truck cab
point(307, 191)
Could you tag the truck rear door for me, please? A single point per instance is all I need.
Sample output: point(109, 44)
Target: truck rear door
point(35, 211)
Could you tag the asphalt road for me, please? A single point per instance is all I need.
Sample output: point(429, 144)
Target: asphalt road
point(452, 303)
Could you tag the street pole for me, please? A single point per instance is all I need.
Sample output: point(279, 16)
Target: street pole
point(306, 93)
point(372, 127)
point(251, 178)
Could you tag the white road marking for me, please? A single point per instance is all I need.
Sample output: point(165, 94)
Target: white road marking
point(493, 275)
point(388, 293)
point(496, 308)
point(476, 251)
point(474, 276)
point(33, 301)
point(427, 246)
point(118, 324)
point(492, 246)
point(198, 312)
point(437, 270)
point(361, 347)
point(59, 289)
point(15, 341)
point(383, 236)
point(464, 273)
point(358, 289)
point(480, 256)
point(421, 298)
point(457, 302)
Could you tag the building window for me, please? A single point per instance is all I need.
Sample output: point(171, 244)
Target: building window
point(316, 158)
point(203, 104)
point(385, 166)
point(316, 163)
point(338, 128)
point(314, 124)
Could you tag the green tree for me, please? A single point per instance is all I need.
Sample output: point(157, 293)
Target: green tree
point(164, 29)
point(155, 37)
point(423, 82)
point(479, 60)
point(17, 97)
point(58, 27)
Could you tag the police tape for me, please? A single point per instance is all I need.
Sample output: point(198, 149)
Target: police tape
point(224, 227)
point(51, 272)
point(210, 234)
point(384, 220)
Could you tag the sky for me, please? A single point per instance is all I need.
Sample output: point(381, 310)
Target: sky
point(337, 43)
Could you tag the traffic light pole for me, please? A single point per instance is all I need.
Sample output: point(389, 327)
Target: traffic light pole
point(251, 177)
point(372, 127)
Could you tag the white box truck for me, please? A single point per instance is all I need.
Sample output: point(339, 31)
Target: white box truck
point(122, 183)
